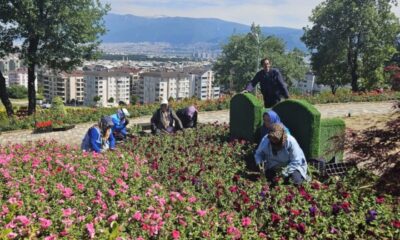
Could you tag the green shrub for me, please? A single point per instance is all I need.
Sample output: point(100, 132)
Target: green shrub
point(332, 133)
point(303, 121)
point(245, 116)
point(17, 91)
point(57, 106)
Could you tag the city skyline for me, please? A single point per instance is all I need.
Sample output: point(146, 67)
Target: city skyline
point(284, 13)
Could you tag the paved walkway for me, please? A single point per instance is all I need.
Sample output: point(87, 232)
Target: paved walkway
point(75, 135)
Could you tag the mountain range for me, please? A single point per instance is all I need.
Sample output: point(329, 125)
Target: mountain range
point(184, 30)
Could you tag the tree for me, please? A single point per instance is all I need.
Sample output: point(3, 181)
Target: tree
point(350, 40)
point(110, 100)
point(96, 99)
point(4, 96)
point(55, 33)
point(240, 57)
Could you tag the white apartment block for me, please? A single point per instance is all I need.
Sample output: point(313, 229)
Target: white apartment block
point(112, 87)
point(19, 77)
point(69, 86)
point(155, 86)
point(203, 83)
point(309, 84)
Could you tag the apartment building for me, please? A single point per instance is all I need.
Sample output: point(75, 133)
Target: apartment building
point(69, 86)
point(134, 74)
point(203, 83)
point(154, 86)
point(110, 87)
point(19, 77)
point(10, 63)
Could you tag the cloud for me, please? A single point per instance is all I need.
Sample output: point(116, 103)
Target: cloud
point(287, 13)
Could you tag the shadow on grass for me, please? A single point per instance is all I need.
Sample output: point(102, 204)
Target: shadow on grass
point(378, 150)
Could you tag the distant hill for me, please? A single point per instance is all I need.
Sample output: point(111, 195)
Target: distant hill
point(183, 30)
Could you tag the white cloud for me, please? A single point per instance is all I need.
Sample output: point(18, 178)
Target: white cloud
point(287, 13)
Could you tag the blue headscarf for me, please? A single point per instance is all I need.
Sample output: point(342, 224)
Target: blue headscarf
point(274, 119)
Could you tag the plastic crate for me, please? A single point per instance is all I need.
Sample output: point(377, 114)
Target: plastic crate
point(330, 168)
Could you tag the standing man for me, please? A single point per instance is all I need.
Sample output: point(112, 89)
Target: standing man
point(271, 84)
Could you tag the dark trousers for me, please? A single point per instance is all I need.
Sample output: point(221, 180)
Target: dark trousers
point(294, 177)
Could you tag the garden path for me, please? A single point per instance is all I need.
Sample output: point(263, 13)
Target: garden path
point(75, 135)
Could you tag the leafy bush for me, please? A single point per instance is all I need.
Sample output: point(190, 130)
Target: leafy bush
point(191, 186)
point(17, 91)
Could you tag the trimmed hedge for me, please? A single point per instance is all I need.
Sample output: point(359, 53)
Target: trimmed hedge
point(245, 116)
point(303, 121)
point(332, 133)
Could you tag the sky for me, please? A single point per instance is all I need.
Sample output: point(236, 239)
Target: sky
point(285, 13)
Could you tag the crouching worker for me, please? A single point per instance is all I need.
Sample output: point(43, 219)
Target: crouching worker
point(120, 122)
point(99, 137)
point(188, 117)
point(278, 153)
point(165, 120)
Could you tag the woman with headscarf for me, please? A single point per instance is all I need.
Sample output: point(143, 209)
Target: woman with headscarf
point(270, 117)
point(120, 120)
point(99, 137)
point(280, 152)
point(188, 116)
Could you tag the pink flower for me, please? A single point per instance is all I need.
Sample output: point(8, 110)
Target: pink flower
point(139, 238)
point(175, 234)
point(112, 218)
point(67, 192)
point(234, 232)
point(192, 199)
point(24, 220)
point(51, 237)
point(111, 192)
point(201, 213)
point(67, 212)
point(12, 235)
point(90, 229)
point(44, 223)
point(246, 221)
point(137, 216)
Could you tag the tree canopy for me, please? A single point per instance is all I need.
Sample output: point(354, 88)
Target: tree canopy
point(350, 41)
point(240, 58)
point(54, 33)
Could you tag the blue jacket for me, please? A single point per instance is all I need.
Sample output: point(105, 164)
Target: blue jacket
point(119, 125)
point(272, 86)
point(289, 158)
point(93, 142)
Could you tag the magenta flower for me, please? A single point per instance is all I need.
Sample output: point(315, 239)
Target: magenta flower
point(137, 216)
point(111, 192)
point(67, 212)
point(90, 229)
point(175, 234)
point(201, 213)
point(24, 220)
point(246, 221)
point(112, 218)
point(44, 223)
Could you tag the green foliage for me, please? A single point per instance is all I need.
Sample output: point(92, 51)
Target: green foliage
point(57, 106)
point(303, 121)
point(238, 62)
point(350, 41)
point(110, 100)
point(96, 98)
point(134, 99)
point(332, 138)
point(245, 116)
point(17, 91)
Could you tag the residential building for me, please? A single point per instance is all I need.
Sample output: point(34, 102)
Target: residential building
point(19, 77)
point(111, 87)
point(155, 86)
point(69, 86)
point(309, 84)
point(203, 83)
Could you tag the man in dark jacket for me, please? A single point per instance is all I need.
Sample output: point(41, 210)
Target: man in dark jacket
point(271, 84)
point(188, 116)
point(164, 120)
